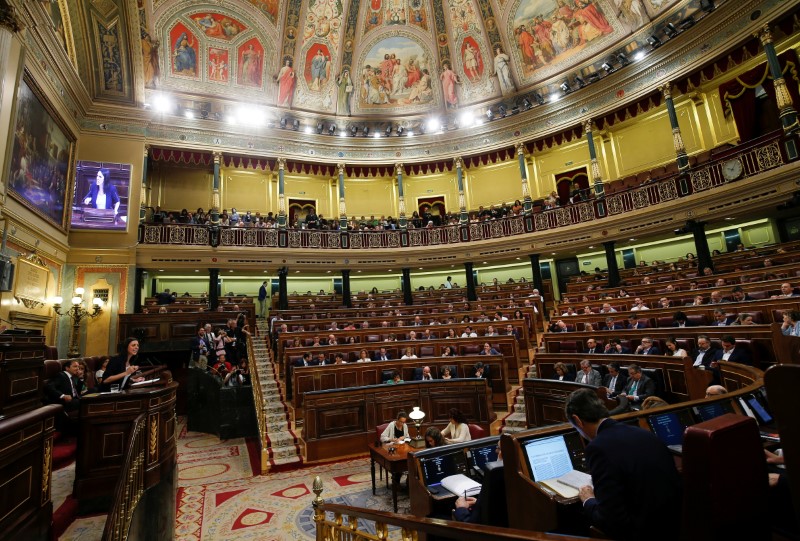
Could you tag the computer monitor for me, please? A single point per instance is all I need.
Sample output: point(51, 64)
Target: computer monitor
point(479, 456)
point(436, 468)
point(547, 457)
point(760, 411)
point(577, 451)
point(706, 412)
point(670, 426)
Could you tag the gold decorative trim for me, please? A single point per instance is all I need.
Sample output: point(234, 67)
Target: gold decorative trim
point(47, 464)
point(153, 438)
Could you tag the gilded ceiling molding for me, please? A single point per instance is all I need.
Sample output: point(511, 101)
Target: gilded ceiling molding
point(8, 17)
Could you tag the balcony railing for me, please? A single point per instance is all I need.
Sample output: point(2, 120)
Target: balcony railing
point(755, 158)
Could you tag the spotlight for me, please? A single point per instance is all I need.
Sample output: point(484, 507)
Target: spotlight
point(353, 130)
point(638, 56)
point(204, 114)
point(565, 87)
point(466, 119)
point(554, 98)
point(593, 77)
point(580, 81)
point(365, 131)
point(162, 103)
point(707, 5)
point(688, 22)
point(283, 123)
point(490, 114)
point(388, 130)
point(296, 125)
point(188, 113)
point(539, 98)
point(502, 110)
point(434, 124)
point(308, 129)
point(331, 129)
point(376, 135)
point(608, 67)
point(623, 60)
point(670, 30)
point(526, 104)
point(320, 127)
point(654, 42)
point(400, 130)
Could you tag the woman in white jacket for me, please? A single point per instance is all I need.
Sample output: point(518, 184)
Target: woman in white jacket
point(457, 430)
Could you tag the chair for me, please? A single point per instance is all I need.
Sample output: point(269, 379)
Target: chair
point(387, 374)
point(426, 351)
point(722, 499)
point(494, 511)
point(476, 432)
point(470, 349)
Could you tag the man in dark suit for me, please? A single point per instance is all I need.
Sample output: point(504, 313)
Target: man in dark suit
point(65, 388)
point(731, 353)
point(638, 387)
point(647, 347)
point(592, 347)
point(382, 355)
point(200, 349)
point(635, 323)
point(703, 355)
point(680, 320)
point(614, 382)
point(614, 346)
point(720, 319)
point(306, 360)
point(738, 295)
point(611, 325)
point(623, 461)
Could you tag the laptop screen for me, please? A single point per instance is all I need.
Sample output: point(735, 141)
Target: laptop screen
point(548, 457)
point(763, 416)
point(481, 455)
point(437, 468)
point(706, 412)
point(669, 426)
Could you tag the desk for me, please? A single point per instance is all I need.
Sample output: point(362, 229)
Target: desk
point(395, 464)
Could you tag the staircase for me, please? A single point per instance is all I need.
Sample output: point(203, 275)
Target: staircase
point(283, 444)
point(516, 420)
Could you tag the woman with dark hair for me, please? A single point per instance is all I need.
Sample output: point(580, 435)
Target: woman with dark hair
point(433, 437)
point(103, 194)
point(122, 365)
point(457, 430)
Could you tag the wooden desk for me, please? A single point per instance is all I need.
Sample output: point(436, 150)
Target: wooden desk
point(395, 463)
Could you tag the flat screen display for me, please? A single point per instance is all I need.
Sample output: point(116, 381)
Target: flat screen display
point(548, 457)
point(669, 426)
point(438, 467)
point(100, 201)
point(706, 412)
point(481, 455)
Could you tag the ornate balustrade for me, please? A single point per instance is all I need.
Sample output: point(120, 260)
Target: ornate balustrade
point(755, 158)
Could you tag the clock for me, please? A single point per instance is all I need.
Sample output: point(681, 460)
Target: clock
point(732, 169)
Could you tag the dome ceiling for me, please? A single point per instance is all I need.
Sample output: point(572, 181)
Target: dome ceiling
point(383, 58)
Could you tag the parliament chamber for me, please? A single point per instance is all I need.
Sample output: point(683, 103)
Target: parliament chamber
point(442, 248)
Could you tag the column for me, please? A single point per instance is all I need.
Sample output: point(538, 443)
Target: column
point(471, 294)
point(527, 202)
point(137, 290)
point(698, 231)
point(401, 201)
point(463, 218)
point(786, 110)
point(408, 298)
point(346, 299)
point(143, 196)
point(213, 289)
point(536, 269)
point(215, 203)
point(283, 301)
point(281, 194)
point(342, 206)
point(599, 189)
point(611, 264)
point(677, 139)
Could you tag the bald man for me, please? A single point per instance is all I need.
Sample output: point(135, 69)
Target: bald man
point(716, 390)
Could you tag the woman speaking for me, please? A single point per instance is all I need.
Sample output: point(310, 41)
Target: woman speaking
point(103, 194)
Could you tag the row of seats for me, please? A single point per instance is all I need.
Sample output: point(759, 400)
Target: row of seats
point(396, 353)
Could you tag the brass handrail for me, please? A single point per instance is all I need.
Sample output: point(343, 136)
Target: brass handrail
point(258, 402)
point(410, 526)
point(130, 485)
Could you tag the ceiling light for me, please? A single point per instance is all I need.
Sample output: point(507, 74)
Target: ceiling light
point(283, 122)
point(320, 127)
point(309, 130)
point(654, 42)
point(353, 130)
point(565, 87)
point(670, 30)
point(580, 81)
point(388, 130)
point(638, 56)
point(502, 110)
point(400, 130)
point(160, 270)
point(331, 129)
point(554, 98)
point(490, 114)
point(608, 67)
point(433, 124)
point(296, 125)
point(376, 135)
point(196, 270)
point(539, 99)
point(526, 104)
point(231, 119)
point(188, 113)
point(410, 133)
point(343, 133)
point(466, 119)
point(479, 121)
point(162, 103)
point(623, 60)
point(365, 131)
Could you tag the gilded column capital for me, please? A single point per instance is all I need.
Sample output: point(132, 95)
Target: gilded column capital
point(666, 90)
point(587, 126)
point(281, 164)
point(340, 169)
point(398, 169)
point(520, 148)
point(146, 150)
point(217, 157)
point(765, 35)
point(458, 163)
point(8, 17)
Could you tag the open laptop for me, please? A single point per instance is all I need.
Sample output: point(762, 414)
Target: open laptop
point(755, 406)
point(670, 426)
point(436, 468)
point(480, 456)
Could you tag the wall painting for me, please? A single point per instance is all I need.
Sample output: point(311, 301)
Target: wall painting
point(218, 65)
point(185, 51)
point(395, 71)
point(251, 64)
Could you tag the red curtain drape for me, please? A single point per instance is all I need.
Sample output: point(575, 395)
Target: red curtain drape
point(564, 182)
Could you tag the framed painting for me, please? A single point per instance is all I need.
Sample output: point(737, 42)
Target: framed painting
point(41, 157)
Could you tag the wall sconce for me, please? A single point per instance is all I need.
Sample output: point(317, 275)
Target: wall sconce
point(77, 314)
point(417, 415)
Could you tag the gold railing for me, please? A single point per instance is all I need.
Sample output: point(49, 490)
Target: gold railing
point(390, 526)
point(130, 485)
point(258, 402)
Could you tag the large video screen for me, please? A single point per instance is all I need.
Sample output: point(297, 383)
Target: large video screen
point(100, 201)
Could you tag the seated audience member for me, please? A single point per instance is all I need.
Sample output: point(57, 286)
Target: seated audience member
point(614, 382)
point(664, 302)
point(607, 309)
point(395, 378)
point(480, 371)
point(611, 325)
point(339, 359)
point(448, 352)
point(680, 320)
point(673, 349)
point(731, 353)
point(446, 373)
point(634, 322)
point(383, 355)
point(622, 459)
point(738, 295)
point(332, 340)
point(614, 346)
point(433, 437)
point(715, 390)
point(469, 333)
point(638, 388)
point(592, 347)
point(305, 360)
point(490, 331)
point(562, 372)
point(426, 374)
point(569, 312)
point(98, 375)
point(791, 323)
point(363, 357)
point(559, 326)
point(653, 402)
point(488, 350)
point(511, 331)
point(65, 388)
point(721, 319)
point(703, 355)
point(638, 304)
point(412, 335)
point(647, 347)
point(397, 430)
point(716, 297)
point(787, 291)
point(744, 319)
point(457, 430)
point(588, 375)
point(426, 335)
point(322, 359)
point(409, 353)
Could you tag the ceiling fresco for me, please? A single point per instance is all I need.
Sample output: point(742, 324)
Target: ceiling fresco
point(376, 57)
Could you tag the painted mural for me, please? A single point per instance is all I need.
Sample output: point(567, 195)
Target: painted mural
point(218, 26)
point(323, 21)
point(286, 81)
point(268, 8)
point(152, 68)
point(185, 51)
point(471, 59)
point(547, 33)
point(317, 70)
point(218, 65)
point(58, 23)
point(395, 12)
point(108, 38)
point(251, 64)
point(396, 72)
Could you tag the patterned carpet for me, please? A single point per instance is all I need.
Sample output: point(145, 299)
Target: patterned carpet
point(220, 499)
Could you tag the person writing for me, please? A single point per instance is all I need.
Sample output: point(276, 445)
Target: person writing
point(103, 194)
point(397, 430)
point(623, 461)
point(122, 365)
